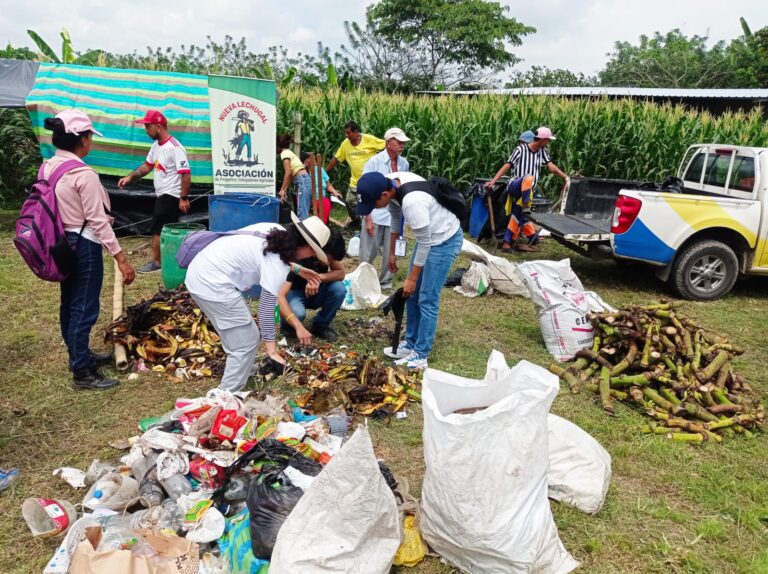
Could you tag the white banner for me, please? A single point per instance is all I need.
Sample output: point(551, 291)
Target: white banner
point(243, 130)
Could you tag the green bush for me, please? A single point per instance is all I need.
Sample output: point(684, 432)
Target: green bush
point(465, 137)
point(19, 155)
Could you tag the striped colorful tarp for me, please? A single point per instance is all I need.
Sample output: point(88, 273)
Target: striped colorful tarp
point(114, 99)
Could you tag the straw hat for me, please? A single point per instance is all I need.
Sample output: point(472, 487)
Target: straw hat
point(315, 232)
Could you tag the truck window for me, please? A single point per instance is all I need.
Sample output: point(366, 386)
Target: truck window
point(694, 170)
point(717, 170)
point(743, 174)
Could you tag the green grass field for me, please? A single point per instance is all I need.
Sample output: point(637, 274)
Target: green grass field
point(671, 507)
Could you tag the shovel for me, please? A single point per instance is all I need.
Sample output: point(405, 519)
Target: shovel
point(395, 304)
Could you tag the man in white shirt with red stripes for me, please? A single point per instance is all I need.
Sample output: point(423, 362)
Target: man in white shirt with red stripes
point(172, 179)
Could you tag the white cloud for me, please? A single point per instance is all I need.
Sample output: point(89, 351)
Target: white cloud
point(571, 34)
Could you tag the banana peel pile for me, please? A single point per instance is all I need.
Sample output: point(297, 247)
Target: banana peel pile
point(678, 372)
point(361, 384)
point(170, 335)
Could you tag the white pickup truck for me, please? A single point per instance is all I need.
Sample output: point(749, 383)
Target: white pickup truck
point(701, 238)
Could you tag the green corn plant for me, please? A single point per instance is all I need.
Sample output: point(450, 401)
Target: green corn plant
point(463, 137)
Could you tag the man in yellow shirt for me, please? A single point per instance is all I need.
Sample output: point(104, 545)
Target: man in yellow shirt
point(356, 150)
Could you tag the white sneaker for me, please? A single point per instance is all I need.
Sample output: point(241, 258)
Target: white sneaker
point(403, 350)
point(413, 362)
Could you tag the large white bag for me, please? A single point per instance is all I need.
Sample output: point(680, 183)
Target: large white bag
point(562, 306)
point(363, 289)
point(476, 281)
point(346, 522)
point(484, 504)
point(579, 467)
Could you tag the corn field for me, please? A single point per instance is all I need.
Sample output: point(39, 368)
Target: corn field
point(466, 137)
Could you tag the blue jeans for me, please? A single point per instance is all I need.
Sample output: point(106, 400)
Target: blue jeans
point(79, 308)
point(423, 305)
point(303, 195)
point(328, 299)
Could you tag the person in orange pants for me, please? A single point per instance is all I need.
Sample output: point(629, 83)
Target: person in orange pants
point(520, 197)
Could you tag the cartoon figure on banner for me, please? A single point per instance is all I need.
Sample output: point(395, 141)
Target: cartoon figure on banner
point(242, 140)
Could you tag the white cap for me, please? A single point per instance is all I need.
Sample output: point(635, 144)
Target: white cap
point(396, 133)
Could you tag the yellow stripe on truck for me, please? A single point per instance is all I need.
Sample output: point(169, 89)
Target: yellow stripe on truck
point(707, 213)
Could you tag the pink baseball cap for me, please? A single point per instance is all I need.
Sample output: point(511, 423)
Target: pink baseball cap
point(544, 133)
point(153, 117)
point(76, 122)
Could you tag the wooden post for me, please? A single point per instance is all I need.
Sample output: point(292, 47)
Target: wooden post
point(121, 357)
point(297, 133)
point(313, 179)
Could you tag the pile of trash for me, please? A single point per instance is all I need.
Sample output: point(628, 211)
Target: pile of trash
point(169, 334)
point(360, 384)
point(218, 485)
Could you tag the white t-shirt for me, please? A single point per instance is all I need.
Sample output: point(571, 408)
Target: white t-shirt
point(235, 263)
point(420, 210)
point(170, 161)
point(382, 163)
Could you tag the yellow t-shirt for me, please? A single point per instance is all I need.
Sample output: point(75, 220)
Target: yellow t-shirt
point(356, 156)
point(296, 165)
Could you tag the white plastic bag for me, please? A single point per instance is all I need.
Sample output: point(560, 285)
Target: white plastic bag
point(347, 521)
point(562, 306)
point(363, 289)
point(476, 281)
point(502, 270)
point(484, 504)
point(579, 467)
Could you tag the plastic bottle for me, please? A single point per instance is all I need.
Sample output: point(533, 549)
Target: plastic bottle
point(353, 249)
point(102, 490)
point(237, 489)
point(145, 473)
point(176, 486)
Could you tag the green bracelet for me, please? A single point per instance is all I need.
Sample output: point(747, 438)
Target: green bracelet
point(297, 269)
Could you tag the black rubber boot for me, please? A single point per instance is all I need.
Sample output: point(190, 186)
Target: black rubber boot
point(92, 379)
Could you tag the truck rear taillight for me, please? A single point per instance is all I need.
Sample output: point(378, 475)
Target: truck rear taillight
point(625, 213)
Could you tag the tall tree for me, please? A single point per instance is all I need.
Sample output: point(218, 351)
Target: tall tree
point(541, 76)
point(670, 60)
point(455, 41)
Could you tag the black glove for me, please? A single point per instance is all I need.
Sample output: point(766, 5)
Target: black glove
point(271, 367)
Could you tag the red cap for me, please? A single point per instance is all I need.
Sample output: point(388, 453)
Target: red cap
point(153, 117)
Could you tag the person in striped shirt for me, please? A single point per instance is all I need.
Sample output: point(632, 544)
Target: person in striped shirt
point(528, 158)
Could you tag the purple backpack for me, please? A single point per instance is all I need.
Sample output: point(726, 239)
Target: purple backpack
point(40, 236)
point(193, 243)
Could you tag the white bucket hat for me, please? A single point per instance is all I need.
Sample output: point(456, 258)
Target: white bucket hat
point(315, 232)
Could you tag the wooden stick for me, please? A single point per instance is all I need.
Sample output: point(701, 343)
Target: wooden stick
point(121, 356)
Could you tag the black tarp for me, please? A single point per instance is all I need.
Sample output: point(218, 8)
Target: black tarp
point(16, 80)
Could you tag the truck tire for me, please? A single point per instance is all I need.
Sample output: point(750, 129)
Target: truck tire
point(705, 270)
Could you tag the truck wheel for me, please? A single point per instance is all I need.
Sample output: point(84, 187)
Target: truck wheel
point(704, 271)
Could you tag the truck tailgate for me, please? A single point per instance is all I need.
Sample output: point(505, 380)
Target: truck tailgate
point(573, 227)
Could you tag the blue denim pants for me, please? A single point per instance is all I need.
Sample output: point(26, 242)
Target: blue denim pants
point(79, 307)
point(422, 307)
point(328, 299)
point(303, 195)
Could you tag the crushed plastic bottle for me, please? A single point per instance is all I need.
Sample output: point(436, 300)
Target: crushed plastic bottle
point(145, 472)
point(353, 249)
point(176, 486)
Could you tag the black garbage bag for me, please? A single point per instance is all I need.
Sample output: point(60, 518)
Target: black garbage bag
point(271, 498)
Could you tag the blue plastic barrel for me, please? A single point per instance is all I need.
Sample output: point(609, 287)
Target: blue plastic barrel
point(230, 211)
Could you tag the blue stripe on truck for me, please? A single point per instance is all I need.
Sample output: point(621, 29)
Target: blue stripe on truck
point(640, 242)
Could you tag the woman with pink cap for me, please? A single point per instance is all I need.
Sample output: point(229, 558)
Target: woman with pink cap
point(527, 159)
point(83, 206)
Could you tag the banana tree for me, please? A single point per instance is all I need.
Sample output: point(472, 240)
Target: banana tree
point(68, 55)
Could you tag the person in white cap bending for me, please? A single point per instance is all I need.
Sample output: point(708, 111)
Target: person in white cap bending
point(261, 254)
point(374, 238)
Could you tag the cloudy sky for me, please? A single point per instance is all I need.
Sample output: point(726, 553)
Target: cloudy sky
point(572, 34)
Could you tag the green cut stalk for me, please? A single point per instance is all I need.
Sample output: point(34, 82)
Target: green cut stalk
point(696, 361)
point(686, 437)
point(670, 395)
point(710, 370)
point(605, 391)
point(652, 395)
point(645, 361)
point(627, 361)
point(565, 375)
point(699, 412)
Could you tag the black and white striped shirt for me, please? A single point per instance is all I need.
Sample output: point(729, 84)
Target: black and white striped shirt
point(525, 161)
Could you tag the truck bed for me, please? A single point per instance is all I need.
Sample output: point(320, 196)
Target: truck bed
point(586, 214)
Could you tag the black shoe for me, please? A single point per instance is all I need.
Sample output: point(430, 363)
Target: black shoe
point(102, 358)
point(92, 379)
point(324, 333)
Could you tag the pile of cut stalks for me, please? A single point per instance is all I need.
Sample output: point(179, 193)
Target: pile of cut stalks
point(678, 372)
